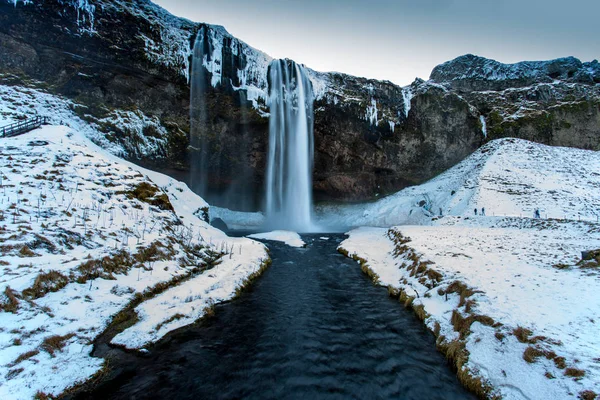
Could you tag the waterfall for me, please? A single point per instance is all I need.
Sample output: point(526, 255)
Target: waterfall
point(290, 157)
point(199, 150)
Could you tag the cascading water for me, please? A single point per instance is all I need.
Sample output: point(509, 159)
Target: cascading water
point(290, 158)
point(199, 78)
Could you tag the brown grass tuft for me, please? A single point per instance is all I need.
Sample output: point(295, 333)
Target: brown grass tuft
point(531, 354)
point(393, 292)
point(574, 372)
point(169, 320)
point(522, 334)
point(55, 343)
point(25, 356)
point(588, 395)
point(420, 312)
point(560, 362)
point(45, 282)
point(26, 252)
point(11, 302)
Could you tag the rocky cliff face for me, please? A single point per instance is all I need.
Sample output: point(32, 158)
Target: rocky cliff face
point(127, 63)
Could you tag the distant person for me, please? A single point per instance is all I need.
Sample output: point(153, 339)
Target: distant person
point(483, 211)
point(441, 212)
point(475, 211)
point(536, 213)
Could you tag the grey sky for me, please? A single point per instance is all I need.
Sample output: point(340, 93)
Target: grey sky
point(399, 40)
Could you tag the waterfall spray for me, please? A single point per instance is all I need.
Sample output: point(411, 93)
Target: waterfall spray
point(290, 158)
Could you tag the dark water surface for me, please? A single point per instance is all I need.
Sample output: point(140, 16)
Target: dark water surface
point(313, 326)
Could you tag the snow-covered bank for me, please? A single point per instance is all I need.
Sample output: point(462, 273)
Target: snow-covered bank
point(83, 234)
point(505, 297)
point(290, 238)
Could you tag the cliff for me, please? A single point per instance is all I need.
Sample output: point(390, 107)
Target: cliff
point(126, 66)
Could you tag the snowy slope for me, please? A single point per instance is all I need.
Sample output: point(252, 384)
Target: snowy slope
point(83, 235)
point(507, 177)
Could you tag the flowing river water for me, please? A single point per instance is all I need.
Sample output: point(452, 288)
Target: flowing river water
point(313, 326)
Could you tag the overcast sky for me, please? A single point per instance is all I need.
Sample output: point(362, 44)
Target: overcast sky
point(399, 40)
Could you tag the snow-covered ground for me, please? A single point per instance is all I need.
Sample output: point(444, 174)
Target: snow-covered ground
point(523, 273)
point(84, 234)
point(505, 293)
point(290, 238)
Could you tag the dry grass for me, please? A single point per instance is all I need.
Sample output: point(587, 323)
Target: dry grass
point(45, 282)
point(393, 292)
point(462, 325)
point(13, 373)
point(251, 278)
point(458, 356)
point(560, 362)
point(25, 356)
point(574, 372)
point(169, 320)
point(522, 334)
point(41, 396)
point(209, 310)
point(55, 343)
point(531, 354)
point(588, 395)
point(151, 194)
point(462, 290)
point(27, 252)
point(11, 302)
point(420, 312)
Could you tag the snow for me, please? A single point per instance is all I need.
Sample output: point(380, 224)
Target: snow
point(524, 271)
point(511, 267)
point(507, 177)
point(66, 199)
point(290, 238)
point(21, 102)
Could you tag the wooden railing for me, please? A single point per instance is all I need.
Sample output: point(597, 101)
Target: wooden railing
point(18, 128)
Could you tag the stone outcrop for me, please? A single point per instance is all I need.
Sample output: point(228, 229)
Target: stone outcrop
point(131, 59)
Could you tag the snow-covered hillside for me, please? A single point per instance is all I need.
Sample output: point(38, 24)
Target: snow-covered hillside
point(85, 235)
point(507, 177)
